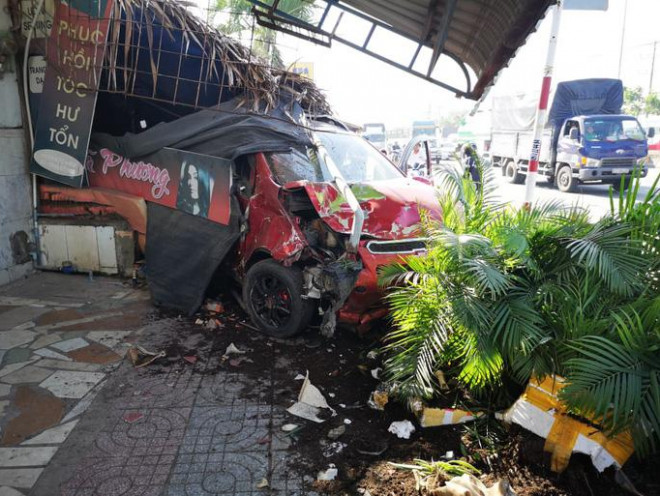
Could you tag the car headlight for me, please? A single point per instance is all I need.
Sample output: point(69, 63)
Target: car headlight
point(593, 162)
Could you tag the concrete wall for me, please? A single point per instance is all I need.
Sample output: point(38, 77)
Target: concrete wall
point(15, 189)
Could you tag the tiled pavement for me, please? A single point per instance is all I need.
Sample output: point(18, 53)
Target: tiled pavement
point(179, 431)
point(60, 336)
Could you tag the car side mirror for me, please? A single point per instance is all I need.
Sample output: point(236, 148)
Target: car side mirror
point(651, 132)
point(573, 134)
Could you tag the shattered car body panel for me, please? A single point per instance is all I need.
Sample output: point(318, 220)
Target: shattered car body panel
point(391, 208)
point(271, 229)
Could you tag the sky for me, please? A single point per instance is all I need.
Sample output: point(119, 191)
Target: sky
point(362, 89)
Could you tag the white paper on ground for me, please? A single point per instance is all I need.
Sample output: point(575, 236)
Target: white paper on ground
point(402, 429)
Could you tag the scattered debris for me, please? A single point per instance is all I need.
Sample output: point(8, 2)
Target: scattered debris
point(329, 474)
point(375, 373)
point(214, 306)
point(348, 421)
point(539, 410)
point(213, 324)
point(141, 357)
point(232, 350)
point(190, 359)
point(199, 322)
point(337, 432)
point(373, 448)
point(440, 375)
point(332, 449)
point(310, 402)
point(289, 427)
point(402, 429)
point(299, 377)
point(434, 417)
point(378, 399)
point(469, 485)
point(132, 417)
point(372, 355)
point(263, 484)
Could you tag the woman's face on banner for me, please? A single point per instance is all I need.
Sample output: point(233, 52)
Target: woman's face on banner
point(193, 182)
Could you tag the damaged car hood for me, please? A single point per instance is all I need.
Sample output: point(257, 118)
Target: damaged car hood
point(391, 208)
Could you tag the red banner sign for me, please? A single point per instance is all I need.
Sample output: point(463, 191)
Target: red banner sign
point(197, 184)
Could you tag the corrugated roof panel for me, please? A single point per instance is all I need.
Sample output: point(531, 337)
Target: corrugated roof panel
point(481, 34)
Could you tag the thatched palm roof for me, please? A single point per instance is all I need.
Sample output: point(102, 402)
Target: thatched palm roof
point(159, 50)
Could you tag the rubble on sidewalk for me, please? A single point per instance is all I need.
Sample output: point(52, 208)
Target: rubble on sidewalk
point(540, 411)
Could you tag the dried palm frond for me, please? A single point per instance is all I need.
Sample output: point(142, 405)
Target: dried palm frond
point(229, 64)
point(308, 94)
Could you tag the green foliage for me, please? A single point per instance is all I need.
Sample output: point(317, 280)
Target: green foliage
point(238, 18)
point(531, 292)
point(635, 103)
point(449, 469)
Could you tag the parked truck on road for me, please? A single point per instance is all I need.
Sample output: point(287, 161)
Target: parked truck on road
point(586, 139)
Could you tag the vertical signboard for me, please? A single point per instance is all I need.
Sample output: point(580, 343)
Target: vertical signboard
point(74, 55)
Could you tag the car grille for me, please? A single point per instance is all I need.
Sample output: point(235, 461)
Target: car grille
point(397, 246)
point(618, 162)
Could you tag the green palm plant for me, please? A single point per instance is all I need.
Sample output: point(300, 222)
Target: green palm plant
point(525, 293)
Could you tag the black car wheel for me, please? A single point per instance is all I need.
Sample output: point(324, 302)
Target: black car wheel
point(272, 297)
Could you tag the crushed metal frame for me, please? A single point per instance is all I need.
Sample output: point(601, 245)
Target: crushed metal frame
point(440, 23)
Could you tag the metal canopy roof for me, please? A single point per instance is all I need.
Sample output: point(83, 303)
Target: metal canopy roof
point(480, 34)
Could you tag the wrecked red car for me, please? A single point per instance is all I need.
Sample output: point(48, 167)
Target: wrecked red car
point(320, 223)
point(300, 216)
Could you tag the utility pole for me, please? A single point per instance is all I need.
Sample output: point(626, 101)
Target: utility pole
point(532, 170)
point(623, 35)
point(655, 43)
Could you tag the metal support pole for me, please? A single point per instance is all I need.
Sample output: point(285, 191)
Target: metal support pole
point(539, 122)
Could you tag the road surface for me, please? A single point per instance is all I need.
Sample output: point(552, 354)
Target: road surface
point(594, 197)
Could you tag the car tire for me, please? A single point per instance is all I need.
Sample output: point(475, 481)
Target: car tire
point(511, 174)
point(272, 298)
point(564, 179)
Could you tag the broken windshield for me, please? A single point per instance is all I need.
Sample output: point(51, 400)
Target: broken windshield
point(356, 159)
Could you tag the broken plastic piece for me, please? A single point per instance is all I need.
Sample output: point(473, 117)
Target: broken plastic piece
point(289, 427)
point(329, 474)
point(402, 429)
point(375, 373)
point(539, 410)
point(190, 359)
point(434, 417)
point(232, 350)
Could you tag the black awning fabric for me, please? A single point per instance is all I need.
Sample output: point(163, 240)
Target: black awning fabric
point(183, 251)
point(227, 131)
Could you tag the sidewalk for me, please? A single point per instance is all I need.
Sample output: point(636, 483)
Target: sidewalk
point(181, 427)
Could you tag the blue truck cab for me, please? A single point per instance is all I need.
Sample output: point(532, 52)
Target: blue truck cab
point(601, 147)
